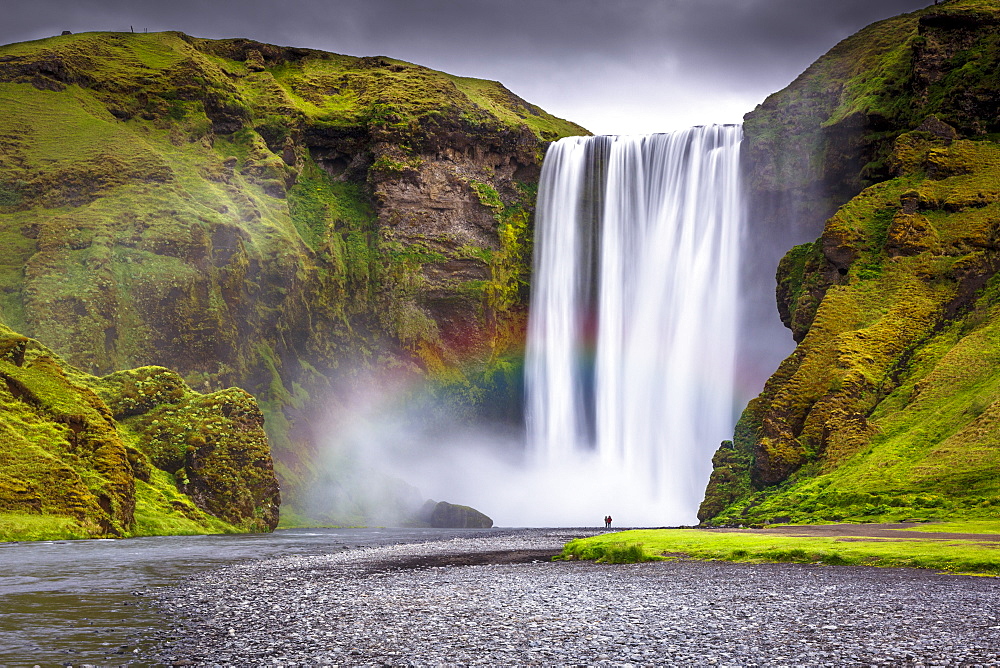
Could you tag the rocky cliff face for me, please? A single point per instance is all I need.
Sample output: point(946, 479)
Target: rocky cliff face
point(273, 218)
point(814, 145)
point(885, 408)
point(86, 456)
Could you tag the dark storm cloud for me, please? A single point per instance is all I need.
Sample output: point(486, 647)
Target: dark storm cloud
point(612, 65)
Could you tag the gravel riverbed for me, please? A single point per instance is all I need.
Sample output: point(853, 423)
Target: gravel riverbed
point(495, 600)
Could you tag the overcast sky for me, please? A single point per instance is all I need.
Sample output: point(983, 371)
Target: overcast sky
point(613, 66)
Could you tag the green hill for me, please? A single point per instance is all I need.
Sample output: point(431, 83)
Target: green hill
point(134, 453)
point(888, 408)
point(282, 220)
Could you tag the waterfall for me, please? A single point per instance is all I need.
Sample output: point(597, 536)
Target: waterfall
point(632, 325)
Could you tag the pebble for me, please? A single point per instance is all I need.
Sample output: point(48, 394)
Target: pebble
point(372, 606)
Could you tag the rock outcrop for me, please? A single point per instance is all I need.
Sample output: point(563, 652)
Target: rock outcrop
point(85, 456)
point(885, 408)
point(444, 515)
point(814, 145)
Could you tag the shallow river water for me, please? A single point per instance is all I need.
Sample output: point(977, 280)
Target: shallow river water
point(76, 603)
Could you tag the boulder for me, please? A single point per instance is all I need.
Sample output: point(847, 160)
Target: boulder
point(452, 516)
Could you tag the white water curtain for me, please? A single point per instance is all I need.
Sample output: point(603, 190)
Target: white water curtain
point(632, 328)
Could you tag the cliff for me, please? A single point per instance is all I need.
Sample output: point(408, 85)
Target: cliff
point(886, 409)
point(279, 219)
point(134, 453)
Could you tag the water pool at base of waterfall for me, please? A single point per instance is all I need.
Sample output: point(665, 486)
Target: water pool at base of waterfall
point(76, 602)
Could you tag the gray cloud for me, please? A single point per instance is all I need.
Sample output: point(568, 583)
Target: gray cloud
point(613, 66)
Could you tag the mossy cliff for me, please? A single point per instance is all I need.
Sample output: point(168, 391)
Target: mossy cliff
point(134, 453)
point(812, 146)
point(888, 408)
point(815, 144)
point(273, 218)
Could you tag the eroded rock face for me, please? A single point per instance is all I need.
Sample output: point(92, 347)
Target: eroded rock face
point(880, 350)
point(819, 142)
point(85, 456)
point(62, 452)
point(215, 445)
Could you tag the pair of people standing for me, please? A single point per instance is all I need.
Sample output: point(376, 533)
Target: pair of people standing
point(607, 521)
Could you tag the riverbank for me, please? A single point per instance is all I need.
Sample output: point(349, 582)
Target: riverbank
point(965, 547)
point(74, 603)
point(493, 600)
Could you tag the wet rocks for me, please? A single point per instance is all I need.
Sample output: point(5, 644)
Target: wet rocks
point(448, 603)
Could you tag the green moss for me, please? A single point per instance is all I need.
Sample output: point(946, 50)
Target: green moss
point(385, 165)
point(161, 510)
point(888, 408)
point(512, 110)
point(321, 208)
point(956, 556)
point(832, 131)
point(24, 527)
point(70, 469)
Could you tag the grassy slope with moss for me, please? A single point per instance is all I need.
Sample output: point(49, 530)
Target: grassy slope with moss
point(888, 408)
point(267, 217)
point(132, 454)
point(831, 132)
point(919, 550)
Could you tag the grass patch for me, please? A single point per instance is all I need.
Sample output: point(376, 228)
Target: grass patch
point(989, 526)
point(955, 556)
point(23, 527)
point(609, 552)
point(160, 510)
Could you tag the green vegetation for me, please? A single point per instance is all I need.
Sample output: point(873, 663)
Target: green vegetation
point(885, 411)
point(832, 131)
point(81, 453)
point(956, 556)
point(283, 220)
point(23, 527)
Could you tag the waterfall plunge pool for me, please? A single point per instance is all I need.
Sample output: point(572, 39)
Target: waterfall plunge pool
point(72, 602)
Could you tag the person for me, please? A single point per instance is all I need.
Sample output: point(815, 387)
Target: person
point(607, 521)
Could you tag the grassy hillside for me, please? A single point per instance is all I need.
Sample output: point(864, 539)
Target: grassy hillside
point(831, 132)
point(886, 409)
point(283, 220)
point(131, 454)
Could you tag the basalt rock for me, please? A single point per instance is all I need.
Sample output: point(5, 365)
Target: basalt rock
point(816, 144)
point(451, 516)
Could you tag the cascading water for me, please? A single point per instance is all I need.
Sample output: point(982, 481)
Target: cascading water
point(632, 328)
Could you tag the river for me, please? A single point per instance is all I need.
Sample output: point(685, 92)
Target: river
point(76, 603)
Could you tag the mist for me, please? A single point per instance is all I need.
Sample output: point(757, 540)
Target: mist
point(391, 446)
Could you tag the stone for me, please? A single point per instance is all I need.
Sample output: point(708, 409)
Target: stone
point(452, 516)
